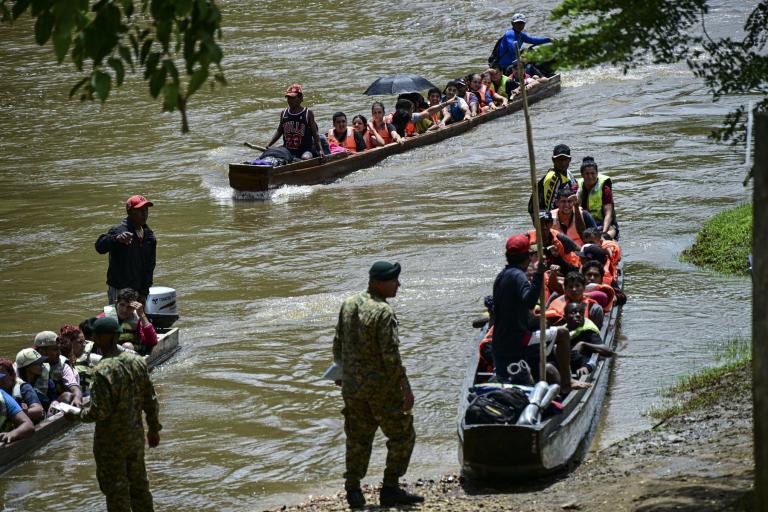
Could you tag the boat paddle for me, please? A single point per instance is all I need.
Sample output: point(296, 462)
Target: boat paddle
point(536, 219)
point(254, 146)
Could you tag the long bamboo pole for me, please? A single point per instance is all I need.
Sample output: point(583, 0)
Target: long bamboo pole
point(536, 219)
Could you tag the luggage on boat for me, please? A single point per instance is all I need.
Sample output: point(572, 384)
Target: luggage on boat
point(502, 406)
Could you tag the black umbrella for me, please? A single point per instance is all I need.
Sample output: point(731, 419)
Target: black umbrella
point(398, 84)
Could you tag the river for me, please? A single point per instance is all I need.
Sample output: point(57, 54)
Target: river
point(248, 424)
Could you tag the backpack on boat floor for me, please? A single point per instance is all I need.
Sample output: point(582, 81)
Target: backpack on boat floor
point(502, 406)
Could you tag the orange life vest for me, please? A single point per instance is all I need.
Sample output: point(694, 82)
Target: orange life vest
point(571, 233)
point(481, 93)
point(384, 132)
point(606, 289)
point(349, 141)
point(410, 129)
point(369, 140)
point(556, 311)
point(570, 257)
point(484, 365)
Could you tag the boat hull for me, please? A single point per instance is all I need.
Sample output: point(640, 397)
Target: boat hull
point(254, 178)
point(12, 454)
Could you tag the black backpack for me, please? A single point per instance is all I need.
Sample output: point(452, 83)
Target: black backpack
point(500, 406)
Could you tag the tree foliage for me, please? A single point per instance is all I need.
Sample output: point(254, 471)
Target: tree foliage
point(628, 33)
point(107, 37)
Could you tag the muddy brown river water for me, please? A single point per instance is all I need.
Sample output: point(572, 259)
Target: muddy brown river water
point(248, 424)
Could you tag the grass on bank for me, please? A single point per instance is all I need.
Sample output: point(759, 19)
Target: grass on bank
point(724, 242)
point(709, 385)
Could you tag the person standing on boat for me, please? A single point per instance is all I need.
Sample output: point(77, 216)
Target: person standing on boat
point(513, 299)
point(375, 387)
point(554, 179)
point(297, 127)
point(132, 249)
point(507, 55)
point(121, 390)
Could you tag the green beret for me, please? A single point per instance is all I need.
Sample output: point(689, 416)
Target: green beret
point(107, 325)
point(384, 271)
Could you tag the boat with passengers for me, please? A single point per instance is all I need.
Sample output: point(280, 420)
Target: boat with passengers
point(161, 310)
point(246, 177)
point(535, 446)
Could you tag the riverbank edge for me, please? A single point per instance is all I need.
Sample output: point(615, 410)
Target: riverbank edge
point(724, 242)
point(676, 465)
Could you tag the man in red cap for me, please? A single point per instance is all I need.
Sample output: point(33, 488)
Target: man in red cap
point(513, 299)
point(132, 249)
point(298, 127)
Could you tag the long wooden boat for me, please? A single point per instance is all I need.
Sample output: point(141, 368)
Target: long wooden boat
point(255, 178)
point(45, 431)
point(503, 452)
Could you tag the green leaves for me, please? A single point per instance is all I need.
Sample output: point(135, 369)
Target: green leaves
point(112, 35)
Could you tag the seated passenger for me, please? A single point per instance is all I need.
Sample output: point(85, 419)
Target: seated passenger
point(585, 339)
point(31, 368)
point(469, 97)
point(456, 111)
point(431, 122)
point(385, 129)
point(604, 294)
point(595, 252)
point(594, 236)
point(405, 119)
point(361, 126)
point(138, 333)
point(61, 372)
point(559, 249)
point(344, 136)
point(79, 353)
point(501, 86)
point(476, 87)
point(22, 392)
point(596, 196)
point(574, 286)
point(569, 218)
point(14, 423)
point(419, 104)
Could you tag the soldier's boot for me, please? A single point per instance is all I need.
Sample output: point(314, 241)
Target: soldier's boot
point(391, 496)
point(355, 498)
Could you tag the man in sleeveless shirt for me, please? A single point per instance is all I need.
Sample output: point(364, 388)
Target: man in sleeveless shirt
point(298, 127)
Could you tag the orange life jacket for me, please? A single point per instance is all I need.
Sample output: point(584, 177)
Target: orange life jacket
point(571, 233)
point(570, 257)
point(369, 140)
point(349, 141)
point(481, 93)
point(613, 248)
point(384, 132)
point(606, 289)
point(484, 365)
point(556, 311)
point(410, 129)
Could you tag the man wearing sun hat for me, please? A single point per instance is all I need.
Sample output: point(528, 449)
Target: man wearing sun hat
point(132, 249)
point(375, 387)
point(298, 127)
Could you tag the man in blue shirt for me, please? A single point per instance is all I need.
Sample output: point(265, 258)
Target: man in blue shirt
point(507, 54)
point(14, 424)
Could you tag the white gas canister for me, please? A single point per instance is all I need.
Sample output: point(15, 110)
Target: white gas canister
point(161, 307)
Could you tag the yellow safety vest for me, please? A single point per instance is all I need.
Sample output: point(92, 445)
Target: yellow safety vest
point(502, 86)
point(551, 182)
point(588, 325)
point(595, 197)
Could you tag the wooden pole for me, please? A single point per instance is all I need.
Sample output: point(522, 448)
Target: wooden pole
point(536, 219)
point(760, 310)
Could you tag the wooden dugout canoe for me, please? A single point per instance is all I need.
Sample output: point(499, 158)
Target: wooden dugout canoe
point(45, 431)
point(255, 178)
point(511, 453)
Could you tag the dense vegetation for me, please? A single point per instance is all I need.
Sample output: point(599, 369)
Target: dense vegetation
point(724, 242)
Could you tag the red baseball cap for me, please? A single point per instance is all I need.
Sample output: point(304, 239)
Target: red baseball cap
point(295, 90)
point(518, 244)
point(137, 202)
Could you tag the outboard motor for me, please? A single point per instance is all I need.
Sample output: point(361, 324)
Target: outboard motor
point(161, 306)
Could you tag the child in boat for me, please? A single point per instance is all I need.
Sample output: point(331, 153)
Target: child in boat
point(457, 110)
point(585, 339)
point(574, 286)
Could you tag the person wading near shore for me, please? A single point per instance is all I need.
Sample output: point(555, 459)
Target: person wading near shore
point(121, 390)
point(298, 127)
point(375, 387)
point(132, 249)
point(555, 178)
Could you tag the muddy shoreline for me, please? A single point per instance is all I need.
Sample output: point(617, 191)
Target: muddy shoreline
point(698, 461)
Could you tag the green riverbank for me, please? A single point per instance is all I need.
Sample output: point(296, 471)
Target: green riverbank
point(724, 242)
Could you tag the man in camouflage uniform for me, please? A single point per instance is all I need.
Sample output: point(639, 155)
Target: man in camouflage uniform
point(121, 389)
point(375, 387)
